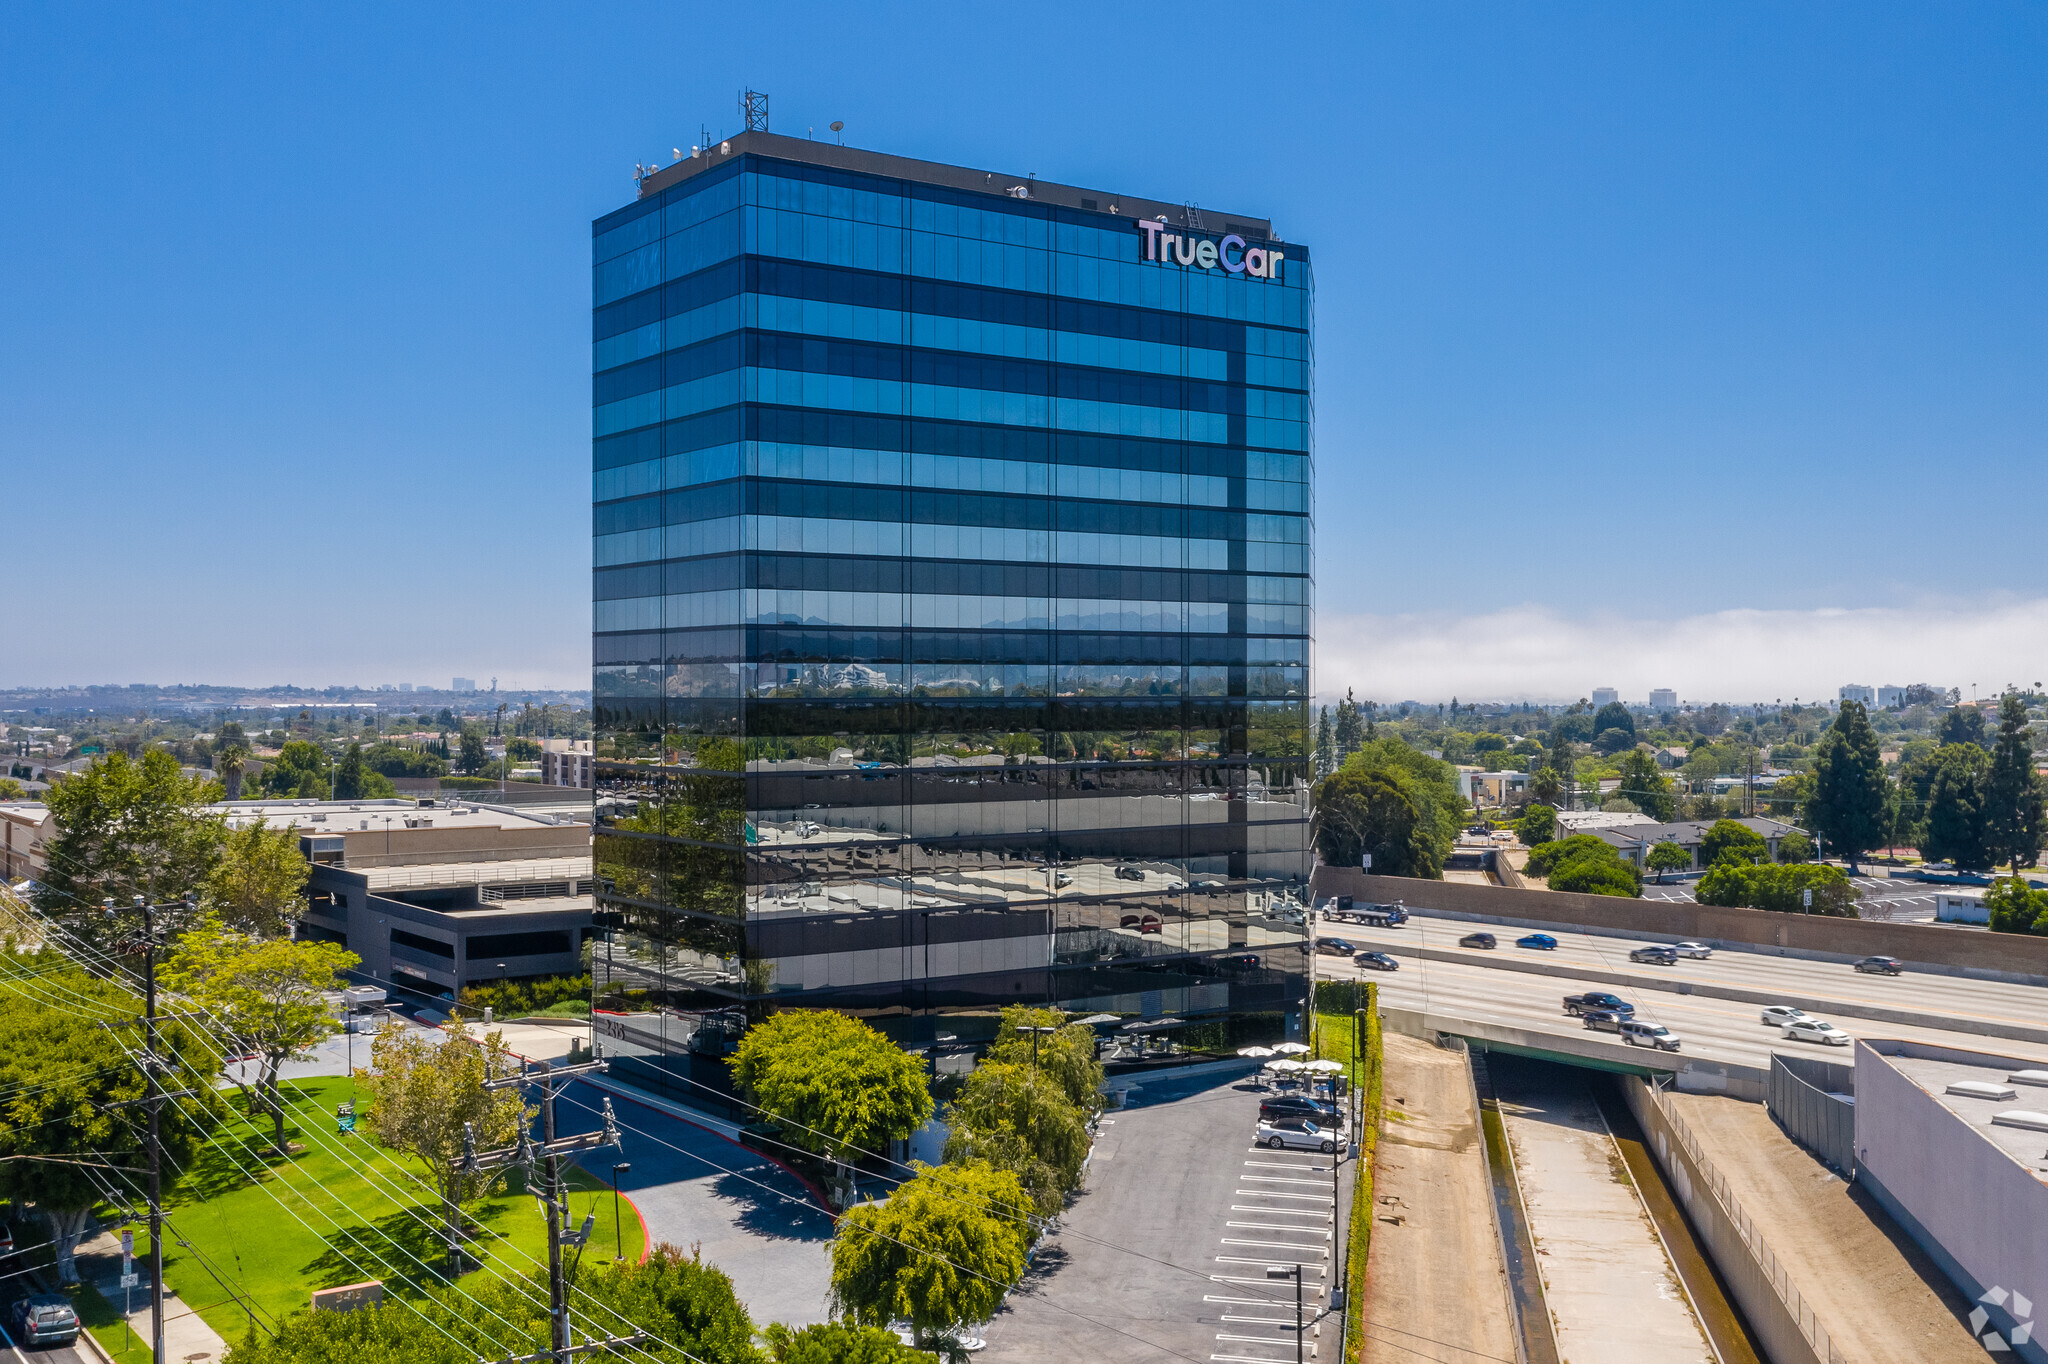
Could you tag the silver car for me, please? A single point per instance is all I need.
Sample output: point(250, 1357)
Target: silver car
point(1778, 1015)
point(1698, 950)
point(1815, 1030)
point(1301, 1136)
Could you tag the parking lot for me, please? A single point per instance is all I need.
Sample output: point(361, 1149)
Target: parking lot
point(1165, 1254)
point(1896, 901)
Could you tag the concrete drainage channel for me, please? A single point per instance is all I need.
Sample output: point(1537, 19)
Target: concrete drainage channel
point(1592, 1193)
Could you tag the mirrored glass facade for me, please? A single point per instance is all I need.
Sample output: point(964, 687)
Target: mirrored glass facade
point(953, 601)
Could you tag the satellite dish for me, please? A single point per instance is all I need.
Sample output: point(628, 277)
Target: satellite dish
point(838, 125)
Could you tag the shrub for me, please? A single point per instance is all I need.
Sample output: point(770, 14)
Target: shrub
point(517, 998)
point(1538, 824)
point(2015, 907)
point(1779, 889)
point(1587, 865)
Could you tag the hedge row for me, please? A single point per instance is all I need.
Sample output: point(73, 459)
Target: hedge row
point(1337, 1003)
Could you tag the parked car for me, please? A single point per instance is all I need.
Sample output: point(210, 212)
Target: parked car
point(1638, 1034)
point(1598, 999)
point(1334, 947)
point(1287, 1108)
point(1486, 940)
point(1778, 1015)
point(1881, 966)
point(1243, 960)
point(1815, 1030)
point(1602, 1020)
point(1144, 923)
point(1656, 954)
point(1378, 961)
point(45, 1319)
point(1302, 1136)
point(1693, 949)
point(1130, 874)
point(1541, 942)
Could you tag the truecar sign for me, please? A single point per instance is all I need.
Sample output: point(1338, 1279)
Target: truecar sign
point(1231, 253)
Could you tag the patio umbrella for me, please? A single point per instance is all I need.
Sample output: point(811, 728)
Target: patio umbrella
point(1326, 1067)
point(1290, 1048)
point(1255, 1051)
point(1284, 1067)
point(1094, 1019)
point(1161, 1024)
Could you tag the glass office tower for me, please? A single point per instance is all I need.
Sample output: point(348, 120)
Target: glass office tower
point(953, 600)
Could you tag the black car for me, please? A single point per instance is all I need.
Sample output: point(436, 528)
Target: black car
point(1334, 947)
point(1598, 999)
point(1378, 961)
point(45, 1319)
point(1294, 1107)
point(1655, 955)
point(1881, 966)
point(1130, 874)
point(1602, 1020)
point(1478, 940)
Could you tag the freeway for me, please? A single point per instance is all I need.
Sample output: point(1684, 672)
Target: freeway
point(1893, 901)
point(1500, 987)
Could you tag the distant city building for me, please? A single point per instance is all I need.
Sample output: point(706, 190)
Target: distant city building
point(1888, 697)
point(405, 686)
point(462, 684)
point(1605, 696)
point(565, 762)
point(1663, 698)
point(1856, 691)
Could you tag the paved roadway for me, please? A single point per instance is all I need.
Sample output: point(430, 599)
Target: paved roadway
point(1714, 1029)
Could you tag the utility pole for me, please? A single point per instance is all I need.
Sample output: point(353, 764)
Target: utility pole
point(152, 1066)
point(548, 1155)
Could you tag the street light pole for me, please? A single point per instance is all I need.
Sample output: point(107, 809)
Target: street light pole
point(618, 1223)
point(1292, 1272)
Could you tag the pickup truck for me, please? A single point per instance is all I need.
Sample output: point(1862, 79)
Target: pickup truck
point(1576, 1005)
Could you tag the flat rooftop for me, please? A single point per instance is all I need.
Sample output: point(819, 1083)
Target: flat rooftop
point(999, 184)
point(343, 816)
point(2029, 1148)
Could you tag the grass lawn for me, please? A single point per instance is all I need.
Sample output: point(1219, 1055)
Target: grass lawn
point(273, 1228)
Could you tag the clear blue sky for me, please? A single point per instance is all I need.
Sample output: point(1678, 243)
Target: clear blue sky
point(1627, 313)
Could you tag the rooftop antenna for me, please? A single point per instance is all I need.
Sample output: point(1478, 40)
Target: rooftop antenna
point(839, 126)
point(754, 111)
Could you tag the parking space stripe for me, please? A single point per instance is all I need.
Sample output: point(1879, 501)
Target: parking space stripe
point(1284, 1212)
point(1277, 1245)
point(1278, 1193)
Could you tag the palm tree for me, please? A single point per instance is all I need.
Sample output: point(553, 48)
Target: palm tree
point(230, 763)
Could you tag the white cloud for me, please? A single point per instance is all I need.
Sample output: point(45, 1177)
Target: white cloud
point(1535, 654)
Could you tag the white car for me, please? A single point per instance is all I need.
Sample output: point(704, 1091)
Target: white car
point(1815, 1030)
point(1778, 1015)
point(1693, 949)
point(1301, 1135)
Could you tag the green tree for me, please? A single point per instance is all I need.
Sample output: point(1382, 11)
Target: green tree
point(1963, 725)
point(2015, 820)
point(1956, 826)
point(1614, 715)
point(1068, 1056)
point(1548, 787)
point(1729, 841)
point(836, 1085)
point(300, 771)
point(1018, 1119)
point(1847, 807)
point(423, 1096)
point(682, 1300)
point(355, 779)
point(1780, 889)
point(231, 758)
point(124, 829)
point(10, 789)
point(1667, 856)
point(473, 756)
point(1646, 787)
point(2015, 907)
point(839, 1342)
point(1373, 812)
point(67, 1081)
point(264, 995)
point(1538, 824)
point(258, 884)
point(1586, 864)
point(1795, 847)
point(939, 1253)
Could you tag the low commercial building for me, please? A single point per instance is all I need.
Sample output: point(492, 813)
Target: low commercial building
point(1634, 841)
point(1954, 1145)
point(1663, 698)
point(1492, 788)
point(1856, 691)
point(25, 826)
point(1605, 696)
point(436, 895)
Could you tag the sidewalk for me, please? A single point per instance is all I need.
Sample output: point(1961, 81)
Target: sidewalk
point(1436, 1286)
point(1880, 1297)
point(186, 1337)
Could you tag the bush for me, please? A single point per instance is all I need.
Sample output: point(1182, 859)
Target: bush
point(518, 998)
point(1729, 841)
point(1587, 865)
point(1779, 889)
point(1795, 848)
point(2015, 907)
